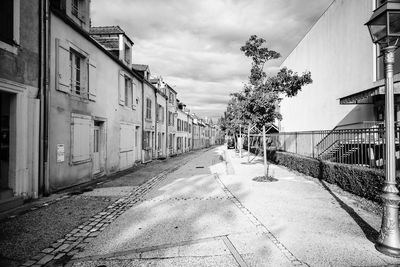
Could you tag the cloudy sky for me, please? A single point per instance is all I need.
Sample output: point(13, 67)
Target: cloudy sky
point(195, 44)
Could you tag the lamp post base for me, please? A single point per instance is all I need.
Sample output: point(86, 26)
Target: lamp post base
point(389, 251)
point(389, 236)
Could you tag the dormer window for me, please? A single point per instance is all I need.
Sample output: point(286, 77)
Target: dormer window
point(75, 8)
point(127, 55)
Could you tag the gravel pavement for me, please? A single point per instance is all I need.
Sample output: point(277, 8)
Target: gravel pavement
point(28, 234)
point(205, 208)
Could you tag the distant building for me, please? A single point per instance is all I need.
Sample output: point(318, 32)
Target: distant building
point(161, 117)
point(172, 120)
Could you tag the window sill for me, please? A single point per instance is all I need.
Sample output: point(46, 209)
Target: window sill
point(81, 98)
point(148, 120)
point(9, 48)
point(80, 162)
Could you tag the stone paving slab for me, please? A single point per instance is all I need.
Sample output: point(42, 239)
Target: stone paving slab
point(319, 226)
point(208, 261)
point(64, 249)
point(110, 191)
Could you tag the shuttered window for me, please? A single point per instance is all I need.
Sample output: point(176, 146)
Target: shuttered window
point(148, 108)
point(81, 130)
point(127, 137)
point(75, 71)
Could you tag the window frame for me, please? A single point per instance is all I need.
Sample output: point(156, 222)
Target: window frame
point(83, 74)
point(13, 48)
point(128, 102)
point(148, 109)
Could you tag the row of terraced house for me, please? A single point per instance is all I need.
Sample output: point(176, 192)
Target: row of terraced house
point(75, 107)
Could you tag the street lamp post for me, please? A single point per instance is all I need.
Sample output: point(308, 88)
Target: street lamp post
point(384, 27)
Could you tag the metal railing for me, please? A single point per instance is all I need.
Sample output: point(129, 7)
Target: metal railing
point(363, 146)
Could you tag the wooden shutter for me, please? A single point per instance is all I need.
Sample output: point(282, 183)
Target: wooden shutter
point(92, 79)
point(63, 68)
point(133, 95)
point(121, 88)
point(81, 138)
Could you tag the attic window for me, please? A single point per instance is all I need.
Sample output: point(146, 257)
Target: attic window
point(127, 54)
point(75, 8)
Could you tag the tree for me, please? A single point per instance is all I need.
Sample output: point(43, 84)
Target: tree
point(258, 101)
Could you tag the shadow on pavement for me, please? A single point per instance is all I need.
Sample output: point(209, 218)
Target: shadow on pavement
point(368, 230)
point(189, 204)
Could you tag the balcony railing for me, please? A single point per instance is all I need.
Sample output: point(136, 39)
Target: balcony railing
point(363, 146)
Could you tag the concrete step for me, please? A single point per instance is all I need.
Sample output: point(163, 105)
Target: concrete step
point(10, 203)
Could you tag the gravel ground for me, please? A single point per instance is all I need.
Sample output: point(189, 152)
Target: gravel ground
point(28, 234)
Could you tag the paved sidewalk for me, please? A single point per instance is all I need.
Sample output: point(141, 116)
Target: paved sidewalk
point(216, 211)
point(318, 225)
point(51, 230)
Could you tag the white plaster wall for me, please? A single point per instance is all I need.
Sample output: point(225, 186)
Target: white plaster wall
point(339, 53)
point(106, 106)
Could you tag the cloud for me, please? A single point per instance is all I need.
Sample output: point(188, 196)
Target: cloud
point(195, 45)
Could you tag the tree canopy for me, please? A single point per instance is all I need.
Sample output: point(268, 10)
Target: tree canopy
point(258, 101)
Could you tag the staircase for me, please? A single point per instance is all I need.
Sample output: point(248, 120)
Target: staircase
point(342, 152)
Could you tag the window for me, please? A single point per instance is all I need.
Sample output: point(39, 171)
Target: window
point(9, 24)
point(160, 114)
point(127, 55)
point(75, 8)
point(171, 98)
point(77, 73)
point(148, 109)
point(7, 21)
point(128, 92)
point(171, 120)
point(78, 9)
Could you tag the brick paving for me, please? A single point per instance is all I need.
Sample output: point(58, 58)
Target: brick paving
point(62, 250)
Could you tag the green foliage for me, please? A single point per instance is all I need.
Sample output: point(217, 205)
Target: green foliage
point(361, 181)
point(258, 101)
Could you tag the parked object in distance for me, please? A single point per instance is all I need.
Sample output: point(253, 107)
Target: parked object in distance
point(230, 143)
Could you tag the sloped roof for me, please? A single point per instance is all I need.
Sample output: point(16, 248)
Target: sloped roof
point(112, 44)
point(140, 67)
point(106, 30)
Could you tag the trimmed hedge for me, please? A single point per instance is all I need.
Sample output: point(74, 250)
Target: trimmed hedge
point(361, 181)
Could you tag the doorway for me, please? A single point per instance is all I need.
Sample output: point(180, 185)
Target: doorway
point(98, 147)
point(138, 154)
point(5, 190)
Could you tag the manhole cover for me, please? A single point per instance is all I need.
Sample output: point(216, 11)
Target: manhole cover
point(265, 179)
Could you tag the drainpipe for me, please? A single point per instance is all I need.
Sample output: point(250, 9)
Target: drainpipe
point(166, 127)
point(44, 35)
point(141, 152)
point(155, 127)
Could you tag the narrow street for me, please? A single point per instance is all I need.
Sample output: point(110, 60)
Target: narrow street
point(207, 208)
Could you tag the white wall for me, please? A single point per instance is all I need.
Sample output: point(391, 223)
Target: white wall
point(339, 53)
